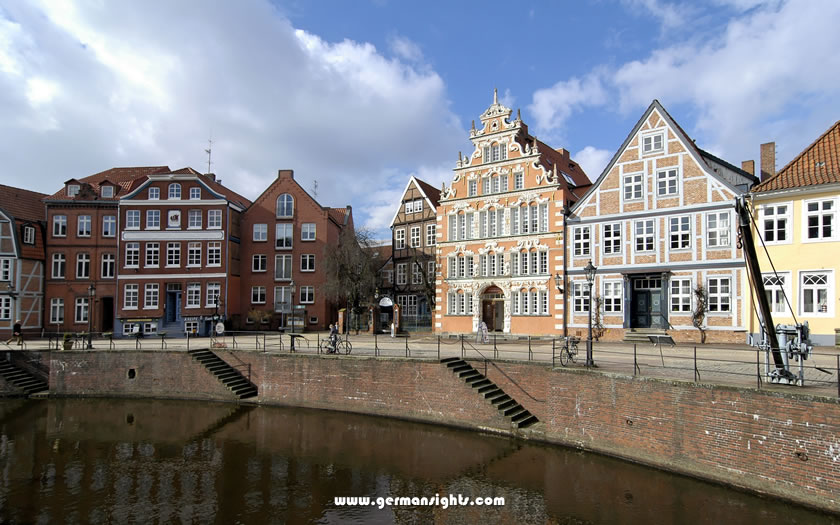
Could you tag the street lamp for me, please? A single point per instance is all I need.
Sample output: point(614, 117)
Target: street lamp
point(292, 315)
point(590, 270)
point(91, 309)
point(558, 282)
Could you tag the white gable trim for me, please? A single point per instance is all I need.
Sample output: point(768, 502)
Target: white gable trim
point(420, 189)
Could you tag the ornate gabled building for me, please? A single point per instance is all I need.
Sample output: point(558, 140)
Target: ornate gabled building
point(499, 231)
point(414, 241)
point(22, 225)
point(659, 223)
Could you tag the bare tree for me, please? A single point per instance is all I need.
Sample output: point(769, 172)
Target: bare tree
point(698, 315)
point(598, 329)
point(351, 269)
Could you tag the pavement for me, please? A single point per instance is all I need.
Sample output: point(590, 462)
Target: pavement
point(731, 365)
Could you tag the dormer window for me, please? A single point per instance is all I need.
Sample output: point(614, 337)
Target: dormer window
point(195, 193)
point(154, 193)
point(175, 191)
point(652, 143)
point(72, 190)
point(107, 192)
point(29, 235)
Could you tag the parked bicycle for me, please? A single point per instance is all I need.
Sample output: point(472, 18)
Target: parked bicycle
point(569, 350)
point(342, 346)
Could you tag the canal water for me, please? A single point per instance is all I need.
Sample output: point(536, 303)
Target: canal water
point(151, 461)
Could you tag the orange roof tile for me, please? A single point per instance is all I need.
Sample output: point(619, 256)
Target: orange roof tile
point(819, 163)
point(22, 204)
point(122, 177)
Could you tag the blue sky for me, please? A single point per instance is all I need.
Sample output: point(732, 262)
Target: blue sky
point(361, 95)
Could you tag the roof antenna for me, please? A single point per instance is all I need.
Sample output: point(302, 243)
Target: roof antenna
point(209, 152)
point(315, 189)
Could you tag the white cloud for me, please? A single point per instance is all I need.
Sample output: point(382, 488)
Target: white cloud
point(507, 99)
point(670, 15)
point(551, 107)
point(405, 49)
point(593, 160)
point(117, 84)
point(381, 204)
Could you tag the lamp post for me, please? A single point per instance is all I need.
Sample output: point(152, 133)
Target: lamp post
point(558, 282)
point(590, 279)
point(292, 316)
point(91, 309)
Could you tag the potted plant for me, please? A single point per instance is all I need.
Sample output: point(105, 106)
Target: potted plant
point(67, 344)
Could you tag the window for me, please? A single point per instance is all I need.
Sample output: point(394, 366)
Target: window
point(5, 269)
point(612, 296)
point(81, 310)
point(399, 239)
point(408, 305)
point(194, 219)
point(154, 193)
point(109, 226)
point(150, 299)
point(418, 205)
point(175, 191)
point(485, 185)
point(815, 293)
point(472, 188)
point(718, 290)
point(132, 220)
point(417, 273)
point(193, 295)
point(214, 291)
point(83, 226)
point(580, 239)
point(459, 303)
point(282, 267)
point(518, 181)
point(680, 228)
point(776, 222)
point(667, 182)
point(415, 236)
point(532, 302)
point(431, 234)
point(261, 232)
point(645, 235)
point(717, 229)
point(83, 266)
point(107, 192)
point(28, 235)
point(214, 254)
point(820, 219)
point(59, 226)
point(633, 187)
point(5, 308)
point(775, 290)
point(152, 254)
point(128, 328)
point(214, 219)
point(388, 276)
point(612, 239)
point(431, 271)
point(194, 254)
point(283, 298)
point(409, 207)
point(402, 274)
point(307, 294)
point(195, 193)
point(72, 190)
point(681, 295)
point(307, 231)
point(285, 206)
point(490, 224)
point(132, 255)
point(580, 293)
point(56, 311)
point(108, 268)
point(652, 143)
point(307, 262)
point(190, 327)
point(173, 254)
point(283, 235)
point(258, 295)
point(58, 264)
point(259, 263)
point(152, 219)
point(130, 296)
point(529, 219)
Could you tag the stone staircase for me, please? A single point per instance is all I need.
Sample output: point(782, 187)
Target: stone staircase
point(228, 375)
point(22, 379)
point(506, 405)
point(640, 335)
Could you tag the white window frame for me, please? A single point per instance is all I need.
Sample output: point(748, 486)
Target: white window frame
point(194, 219)
point(307, 295)
point(259, 263)
point(174, 191)
point(635, 183)
point(213, 293)
point(83, 221)
point(308, 231)
point(287, 237)
point(307, 262)
point(580, 297)
point(193, 299)
point(109, 226)
point(151, 296)
point(611, 242)
point(132, 255)
point(28, 235)
point(679, 233)
point(152, 219)
point(195, 193)
point(820, 311)
point(821, 214)
point(519, 180)
point(613, 296)
point(582, 244)
point(81, 310)
point(649, 145)
point(285, 206)
point(431, 234)
point(131, 296)
point(73, 190)
point(154, 193)
point(214, 254)
point(283, 267)
point(415, 236)
point(59, 226)
point(152, 259)
point(716, 298)
point(409, 207)
point(647, 235)
point(214, 219)
point(770, 213)
point(472, 188)
point(680, 301)
point(108, 266)
point(107, 191)
point(193, 254)
point(670, 177)
point(718, 235)
point(777, 286)
point(258, 295)
point(402, 274)
point(173, 255)
point(132, 220)
point(59, 266)
point(399, 239)
point(83, 265)
point(56, 310)
point(260, 232)
point(5, 269)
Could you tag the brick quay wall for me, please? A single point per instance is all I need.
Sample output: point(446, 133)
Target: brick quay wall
point(784, 444)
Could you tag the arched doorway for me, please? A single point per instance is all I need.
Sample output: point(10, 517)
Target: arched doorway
point(493, 308)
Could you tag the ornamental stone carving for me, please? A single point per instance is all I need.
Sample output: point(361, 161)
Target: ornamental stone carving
point(491, 247)
point(527, 244)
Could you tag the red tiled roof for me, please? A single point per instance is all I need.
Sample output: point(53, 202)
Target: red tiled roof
point(22, 204)
point(819, 163)
point(338, 215)
point(431, 192)
point(122, 177)
point(224, 190)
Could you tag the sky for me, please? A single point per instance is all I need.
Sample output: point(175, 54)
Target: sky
point(356, 97)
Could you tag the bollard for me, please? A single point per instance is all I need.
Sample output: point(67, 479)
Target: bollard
point(406, 346)
point(552, 352)
point(462, 346)
point(635, 360)
point(495, 350)
point(438, 347)
point(758, 368)
point(375, 345)
point(529, 348)
point(696, 372)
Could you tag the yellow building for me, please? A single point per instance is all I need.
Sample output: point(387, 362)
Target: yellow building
point(796, 215)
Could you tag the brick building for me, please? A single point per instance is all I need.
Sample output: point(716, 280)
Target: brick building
point(414, 242)
point(21, 260)
point(658, 222)
point(499, 222)
point(286, 236)
point(81, 249)
point(179, 253)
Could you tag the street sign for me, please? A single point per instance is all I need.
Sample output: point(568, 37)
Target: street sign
point(300, 307)
point(220, 328)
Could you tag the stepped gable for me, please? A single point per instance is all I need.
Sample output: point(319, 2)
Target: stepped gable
point(818, 164)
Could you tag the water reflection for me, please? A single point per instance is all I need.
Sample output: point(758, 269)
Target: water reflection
point(126, 461)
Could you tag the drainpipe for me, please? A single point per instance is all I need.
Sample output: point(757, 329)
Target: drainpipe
point(566, 212)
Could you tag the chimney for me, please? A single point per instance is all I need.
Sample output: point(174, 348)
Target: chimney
point(748, 166)
point(211, 176)
point(768, 160)
point(283, 174)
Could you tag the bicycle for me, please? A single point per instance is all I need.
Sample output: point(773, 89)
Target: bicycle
point(342, 346)
point(569, 350)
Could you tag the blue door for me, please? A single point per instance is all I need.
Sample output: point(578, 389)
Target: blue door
point(178, 307)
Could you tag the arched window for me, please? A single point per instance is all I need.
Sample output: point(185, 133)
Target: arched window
point(460, 226)
point(285, 205)
point(491, 222)
point(529, 302)
point(529, 218)
point(174, 191)
point(534, 262)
